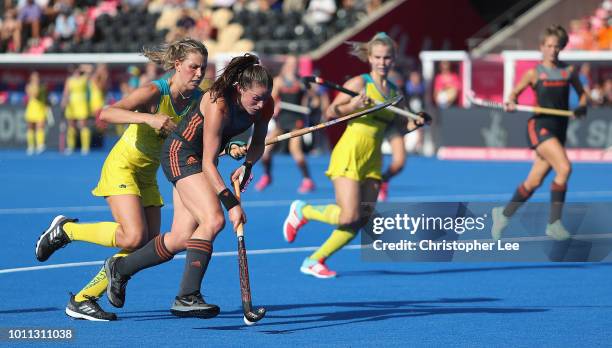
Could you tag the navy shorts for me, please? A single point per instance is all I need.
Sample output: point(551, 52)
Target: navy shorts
point(540, 129)
point(179, 160)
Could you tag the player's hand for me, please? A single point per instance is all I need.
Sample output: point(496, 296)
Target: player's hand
point(243, 175)
point(425, 119)
point(581, 111)
point(510, 106)
point(359, 101)
point(237, 216)
point(236, 149)
point(163, 124)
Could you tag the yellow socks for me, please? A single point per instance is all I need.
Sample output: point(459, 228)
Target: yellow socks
point(339, 238)
point(85, 139)
point(329, 214)
point(30, 139)
point(97, 286)
point(71, 138)
point(40, 138)
point(102, 233)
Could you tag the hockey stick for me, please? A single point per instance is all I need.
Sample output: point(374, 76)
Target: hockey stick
point(320, 81)
point(535, 109)
point(299, 132)
point(306, 130)
point(250, 317)
point(295, 108)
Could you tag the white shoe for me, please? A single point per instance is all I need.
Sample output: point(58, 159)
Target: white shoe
point(40, 149)
point(30, 151)
point(500, 221)
point(557, 231)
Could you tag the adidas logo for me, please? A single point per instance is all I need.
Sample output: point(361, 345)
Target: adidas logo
point(192, 160)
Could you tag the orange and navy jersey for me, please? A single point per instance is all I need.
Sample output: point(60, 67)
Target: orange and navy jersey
point(552, 86)
point(191, 129)
point(145, 138)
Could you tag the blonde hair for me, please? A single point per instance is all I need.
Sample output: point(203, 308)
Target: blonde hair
point(362, 50)
point(556, 31)
point(165, 55)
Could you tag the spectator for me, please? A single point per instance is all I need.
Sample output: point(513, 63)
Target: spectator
point(30, 15)
point(150, 74)
point(607, 92)
point(415, 92)
point(319, 12)
point(10, 35)
point(373, 5)
point(446, 86)
point(65, 25)
point(596, 97)
point(584, 77)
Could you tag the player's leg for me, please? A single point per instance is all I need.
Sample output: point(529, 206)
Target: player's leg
point(40, 137)
point(266, 162)
point(85, 134)
point(295, 149)
point(200, 199)
point(348, 197)
point(70, 135)
point(398, 160)
point(501, 215)
point(160, 249)
point(30, 138)
point(554, 153)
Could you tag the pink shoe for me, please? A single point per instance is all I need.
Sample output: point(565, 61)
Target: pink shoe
point(306, 186)
point(317, 269)
point(383, 193)
point(263, 182)
point(294, 221)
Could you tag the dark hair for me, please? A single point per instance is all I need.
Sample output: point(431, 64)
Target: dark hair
point(243, 71)
point(165, 55)
point(556, 31)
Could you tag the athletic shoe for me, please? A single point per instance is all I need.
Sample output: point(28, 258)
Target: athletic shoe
point(294, 221)
point(88, 310)
point(115, 290)
point(316, 269)
point(263, 182)
point(40, 149)
point(53, 238)
point(383, 192)
point(500, 221)
point(193, 305)
point(557, 231)
point(306, 186)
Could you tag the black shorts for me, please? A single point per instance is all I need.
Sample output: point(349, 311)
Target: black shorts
point(288, 121)
point(397, 128)
point(179, 160)
point(541, 128)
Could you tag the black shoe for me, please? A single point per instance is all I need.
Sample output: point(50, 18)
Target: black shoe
point(88, 310)
point(115, 291)
point(53, 238)
point(193, 305)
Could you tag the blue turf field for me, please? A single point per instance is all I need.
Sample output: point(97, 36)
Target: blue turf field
point(407, 304)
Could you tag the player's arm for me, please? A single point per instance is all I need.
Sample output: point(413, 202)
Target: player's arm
point(260, 129)
point(528, 79)
point(344, 104)
point(212, 136)
point(137, 107)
